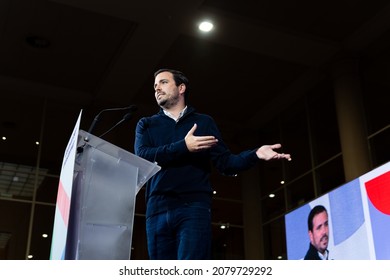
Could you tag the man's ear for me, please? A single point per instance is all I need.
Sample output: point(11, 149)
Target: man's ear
point(182, 88)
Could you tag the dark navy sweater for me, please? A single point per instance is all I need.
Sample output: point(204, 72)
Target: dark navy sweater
point(184, 176)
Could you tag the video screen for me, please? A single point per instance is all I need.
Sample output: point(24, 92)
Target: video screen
point(357, 225)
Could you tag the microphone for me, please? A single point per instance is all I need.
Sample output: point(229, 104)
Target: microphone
point(132, 109)
point(126, 117)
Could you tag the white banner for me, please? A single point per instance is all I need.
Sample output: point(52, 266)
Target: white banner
point(207, 270)
point(64, 194)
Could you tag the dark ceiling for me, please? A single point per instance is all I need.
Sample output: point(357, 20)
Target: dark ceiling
point(259, 58)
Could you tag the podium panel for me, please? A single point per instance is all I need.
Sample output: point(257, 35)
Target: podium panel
point(105, 184)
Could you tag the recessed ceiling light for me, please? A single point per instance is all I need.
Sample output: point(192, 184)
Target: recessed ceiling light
point(271, 195)
point(224, 225)
point(206, 26)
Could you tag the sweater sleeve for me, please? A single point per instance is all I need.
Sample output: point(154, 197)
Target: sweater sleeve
point(164, 154)
point(230, 164)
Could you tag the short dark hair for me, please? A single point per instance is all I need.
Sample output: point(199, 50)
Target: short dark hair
point(316, 210)
point(179, 78)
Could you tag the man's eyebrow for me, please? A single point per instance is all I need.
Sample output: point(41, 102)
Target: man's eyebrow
point(161, 80)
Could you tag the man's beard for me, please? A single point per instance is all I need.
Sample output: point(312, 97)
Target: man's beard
point(324, 239)
point(162, 103)
point(169, 102)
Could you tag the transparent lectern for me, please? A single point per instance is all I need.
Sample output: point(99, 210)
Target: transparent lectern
point(105, 184)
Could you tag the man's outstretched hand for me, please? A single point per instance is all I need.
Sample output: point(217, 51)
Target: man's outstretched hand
point(267, 152)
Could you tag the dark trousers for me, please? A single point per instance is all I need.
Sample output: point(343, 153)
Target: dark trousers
point(182, 233)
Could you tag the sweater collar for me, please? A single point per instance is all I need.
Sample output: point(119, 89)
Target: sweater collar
point(181, 114)
point(186, 111)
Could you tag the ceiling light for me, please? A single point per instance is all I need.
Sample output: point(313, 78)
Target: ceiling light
point(206, 26)
point(271, 195)
point(4, 138)
point(45, 235)
point(224, 225)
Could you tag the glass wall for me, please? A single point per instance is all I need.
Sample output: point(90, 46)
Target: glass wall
point(29, 173)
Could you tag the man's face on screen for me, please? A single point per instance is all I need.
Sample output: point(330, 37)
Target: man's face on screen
point(319, 236)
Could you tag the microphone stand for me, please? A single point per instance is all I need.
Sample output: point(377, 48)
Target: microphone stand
point(131, 108)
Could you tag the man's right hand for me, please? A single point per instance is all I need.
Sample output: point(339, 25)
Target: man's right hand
point(199, 143)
